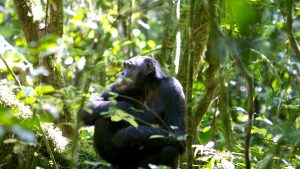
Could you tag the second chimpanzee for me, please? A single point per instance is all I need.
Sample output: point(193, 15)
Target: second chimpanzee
point(154, 99)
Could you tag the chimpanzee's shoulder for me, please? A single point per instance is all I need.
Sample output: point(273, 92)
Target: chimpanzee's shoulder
point(171, 84)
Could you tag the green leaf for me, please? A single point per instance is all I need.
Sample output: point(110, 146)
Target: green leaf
point(29, 100)
point(275, 84)
point(44, 89)
point(118, 115)
point(151, 44)
point(206, 129)
point(205, 135)
point(126, 43)
point(242, 117)
point(132, 122)
point(263, 163)
point(257, 130)
point(269, 136)
point(115, 118)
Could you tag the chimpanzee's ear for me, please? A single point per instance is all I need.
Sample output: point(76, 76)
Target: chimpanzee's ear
point(148, 66)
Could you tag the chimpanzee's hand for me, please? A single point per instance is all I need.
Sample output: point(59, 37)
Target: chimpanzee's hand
point(103, 96)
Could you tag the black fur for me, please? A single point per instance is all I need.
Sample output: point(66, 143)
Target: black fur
point(125, 146)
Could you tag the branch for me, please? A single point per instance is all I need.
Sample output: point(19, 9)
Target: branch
point(205, 102)
point(250, 84)
point(11, 72)
point(46, 142)
point(289, 22)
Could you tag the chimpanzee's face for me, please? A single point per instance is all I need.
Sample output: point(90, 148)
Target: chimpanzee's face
point(134, 73)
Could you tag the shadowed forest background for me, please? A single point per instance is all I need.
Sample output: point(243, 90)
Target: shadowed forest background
point(238, 61)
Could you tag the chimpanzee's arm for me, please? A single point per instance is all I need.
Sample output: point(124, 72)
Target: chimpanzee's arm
point(97, 107)
point(174, 99)
point(170, 101)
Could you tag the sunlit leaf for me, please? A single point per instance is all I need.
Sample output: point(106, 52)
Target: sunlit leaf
point(116, 118)
point(29, 100)
point(6, 118)
point(275, 84)
point(206, 129)
point(269, 136)
point(10, 77)
point(132, 122)
point(257, 130)
point(126, 43)
point(264, 119)
point(44, 89)
point(1, 17)
point(242, 117)
point(118, 115)
point(151, 44)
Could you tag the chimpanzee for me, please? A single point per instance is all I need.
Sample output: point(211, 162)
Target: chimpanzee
point(157, 103)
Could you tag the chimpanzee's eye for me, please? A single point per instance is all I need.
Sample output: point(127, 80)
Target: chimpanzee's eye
point(130, 66)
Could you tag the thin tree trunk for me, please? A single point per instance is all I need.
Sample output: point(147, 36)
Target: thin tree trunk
point(55, 27)
point(211, 84)
point(185, 74)
point(224, 113)
point(292, 39)
point(250, 85)
point(168, 37)
point(189, 88)
point(200, 34)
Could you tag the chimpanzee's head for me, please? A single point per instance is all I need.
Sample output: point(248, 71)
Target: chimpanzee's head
point(137, 72)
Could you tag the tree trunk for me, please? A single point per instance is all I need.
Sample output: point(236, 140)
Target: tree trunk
point(54, 26)
point(193, 49)
point(214, 57)
point(168, 37)
point(30, 28)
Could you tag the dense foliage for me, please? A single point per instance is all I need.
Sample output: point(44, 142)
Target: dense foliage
point(234, 46)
